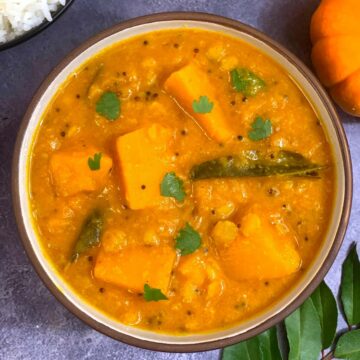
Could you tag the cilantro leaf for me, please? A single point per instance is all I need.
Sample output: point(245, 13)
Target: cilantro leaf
point(203, 105)
point(261, 129)
point(188, 240)
point(172, 186)
point(152, 294)
point(246, 82)
point(108, 106)
point(94, 164)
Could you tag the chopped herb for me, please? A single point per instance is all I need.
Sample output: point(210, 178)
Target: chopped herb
point(188, 240)
point(261, 129)
point(152, 294)
point(203, 105)
point(172, 186)
point(94, 164)
point(246, 82)
point(108, 106)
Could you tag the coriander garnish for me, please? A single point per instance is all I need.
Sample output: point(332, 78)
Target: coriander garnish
point(152, 294)
point(203, 105)
point(172, 186)
point(188, 240)
point(94, 163)
point(108, 106)
point(261, 129)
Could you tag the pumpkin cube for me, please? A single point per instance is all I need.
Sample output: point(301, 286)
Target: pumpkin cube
point(71, 173)
point(187, 85)
point(143, 161)
point(260, 251)
point(134, 266)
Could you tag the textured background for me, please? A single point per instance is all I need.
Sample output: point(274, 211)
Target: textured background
point(33, 325)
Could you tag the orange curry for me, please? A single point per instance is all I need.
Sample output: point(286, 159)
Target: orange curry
point(181, 181)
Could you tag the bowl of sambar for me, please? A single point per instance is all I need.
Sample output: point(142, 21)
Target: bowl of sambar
point(181, 182)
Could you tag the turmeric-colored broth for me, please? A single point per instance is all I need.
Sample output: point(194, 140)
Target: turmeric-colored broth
point(219, 284)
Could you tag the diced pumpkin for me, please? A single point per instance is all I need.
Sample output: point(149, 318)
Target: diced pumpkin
point(201, 274)
point(260, 251)
point(71, 174)
point(143, 162)
point(187, 85)
point(134, 266)
point(193, 267)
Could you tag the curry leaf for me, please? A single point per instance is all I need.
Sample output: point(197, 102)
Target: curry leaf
point(172, 186)
point(262, 347)
point(261, 129)
point(325, 305)
point(246, 82)
point(350, 287)
point(152, 294)
point(304, 332)
point(203, 105)
point(90, 234)
point(188, 240)
point(108, 106)
point(348, 346)
point(254, 164)
point(94, 163)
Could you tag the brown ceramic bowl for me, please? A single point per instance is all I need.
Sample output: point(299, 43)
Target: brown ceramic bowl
point(262, 321)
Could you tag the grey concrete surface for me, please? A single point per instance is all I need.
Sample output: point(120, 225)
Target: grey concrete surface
point(33, 325)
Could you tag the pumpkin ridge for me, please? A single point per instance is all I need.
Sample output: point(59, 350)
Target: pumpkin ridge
point(334, 18)
point(347, 93)
point(335, 35)
point(336, 58)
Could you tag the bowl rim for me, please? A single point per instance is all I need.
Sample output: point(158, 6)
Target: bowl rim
point(37, 29)
point(338, 237)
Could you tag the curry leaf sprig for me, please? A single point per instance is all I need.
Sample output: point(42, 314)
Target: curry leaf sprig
point(311, 328)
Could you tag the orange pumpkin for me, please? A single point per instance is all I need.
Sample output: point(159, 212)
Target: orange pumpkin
point(335, 34)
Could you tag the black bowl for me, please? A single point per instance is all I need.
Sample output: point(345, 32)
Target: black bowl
point(36, 30)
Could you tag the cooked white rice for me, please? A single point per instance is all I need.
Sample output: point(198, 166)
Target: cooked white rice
point(20, 16)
